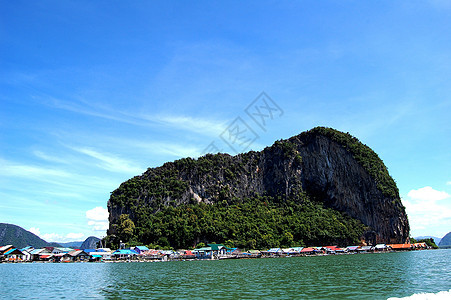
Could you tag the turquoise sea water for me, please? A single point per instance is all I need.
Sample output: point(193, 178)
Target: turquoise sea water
point(369, 276)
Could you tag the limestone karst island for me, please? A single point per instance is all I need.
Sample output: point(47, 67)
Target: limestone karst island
point(321, 187)
point(320, 192)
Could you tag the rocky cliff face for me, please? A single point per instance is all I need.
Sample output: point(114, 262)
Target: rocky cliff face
point(329, 166)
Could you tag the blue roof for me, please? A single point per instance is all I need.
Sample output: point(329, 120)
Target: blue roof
point(274, 250)
point(90, 250)
point(142, 248)
point(125, 251)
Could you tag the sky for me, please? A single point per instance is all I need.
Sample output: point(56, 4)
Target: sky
point(93, 93)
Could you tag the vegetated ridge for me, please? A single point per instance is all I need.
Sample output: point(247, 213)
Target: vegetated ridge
point(90, 243)
point(445, 241)
point(320, 187)
point(18, 237)
point(73, 245)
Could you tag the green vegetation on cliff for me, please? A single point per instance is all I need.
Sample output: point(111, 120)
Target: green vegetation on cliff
point(252, 223)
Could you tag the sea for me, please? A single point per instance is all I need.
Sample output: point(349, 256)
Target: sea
point(412, 275)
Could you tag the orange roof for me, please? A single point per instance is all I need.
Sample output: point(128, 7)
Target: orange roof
point(400, 246)
point(307, 250)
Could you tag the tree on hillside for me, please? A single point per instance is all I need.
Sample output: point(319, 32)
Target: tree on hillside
point(125, 228)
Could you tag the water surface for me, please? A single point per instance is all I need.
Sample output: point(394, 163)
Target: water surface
point(375, 276)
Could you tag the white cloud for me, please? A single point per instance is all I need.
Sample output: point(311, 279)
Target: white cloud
point(110, 162)
point(428, 194)
point(448, 183)
point(52, 237)
point(55, 237)
point(97, 214)
point(98, 218)
point(428, 215)
point(74, 235)
point(98, 226)
point(35, 230)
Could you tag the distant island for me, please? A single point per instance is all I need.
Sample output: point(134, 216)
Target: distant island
point(11, 234)
point(445, 242)
point(320, 187)
point(423, 237)
point(15, 235)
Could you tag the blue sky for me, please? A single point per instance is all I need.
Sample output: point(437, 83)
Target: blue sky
point(94, 92)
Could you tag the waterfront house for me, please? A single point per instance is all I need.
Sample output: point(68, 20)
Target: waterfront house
point(381, 247)
point(152, 254)
point(104, 249)
point(203, 252)
point(274, 252)
point(211, 251)
point(400, 247)
point(352, 248)
point(100, 254)
point(89, 251)
point(365, 249)
point(124, 253)
point(289, 251)
point(330, 249)
point(58, 250)
point(3, 249)
point(218, 249)
point(309, 250)
point(187, 254)
point(418, 246)
point(297, 249)
point(41, 254)
point(27, 252)
point(14, 254)
point(78, 255)
point(140, 249)
point(62, 257)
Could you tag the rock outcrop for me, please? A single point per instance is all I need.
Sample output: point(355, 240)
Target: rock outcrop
point(327, 165)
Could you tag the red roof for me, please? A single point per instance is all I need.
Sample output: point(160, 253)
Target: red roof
point(332, 248)
point(44, 256)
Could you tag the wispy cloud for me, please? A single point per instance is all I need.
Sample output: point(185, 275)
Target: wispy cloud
point(110, 162)
point(31, 171)
point(198, 125)
point(53, 177)
point(204, 126)
point(89, 109)
point(44, 156)
point(168, 148)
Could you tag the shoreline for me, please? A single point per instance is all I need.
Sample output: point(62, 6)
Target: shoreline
point(225, 257)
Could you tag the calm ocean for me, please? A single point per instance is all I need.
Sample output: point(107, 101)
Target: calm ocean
point(360, 276)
